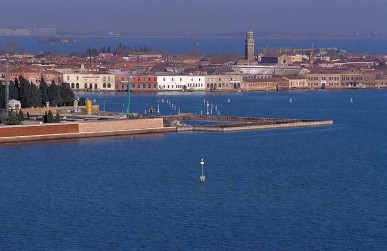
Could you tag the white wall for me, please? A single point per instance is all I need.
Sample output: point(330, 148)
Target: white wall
point(178, 83)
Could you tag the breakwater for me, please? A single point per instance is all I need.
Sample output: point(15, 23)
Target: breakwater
point(234, 124)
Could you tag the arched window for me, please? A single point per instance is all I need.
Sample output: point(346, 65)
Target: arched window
point(95, 86)
point(85, 86)
point(104, 85)
point(154, 86)
point(91, 86)
point(72, 85)
point(149, 85)
point(109, 85)
point(144, 86)
point(77, 85)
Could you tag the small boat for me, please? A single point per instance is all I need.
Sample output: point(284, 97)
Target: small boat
point(290, 101)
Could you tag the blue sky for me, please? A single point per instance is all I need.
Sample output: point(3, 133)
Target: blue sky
point(211, 16)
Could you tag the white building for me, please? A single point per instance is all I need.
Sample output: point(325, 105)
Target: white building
point(180, 83)
point(91, 81)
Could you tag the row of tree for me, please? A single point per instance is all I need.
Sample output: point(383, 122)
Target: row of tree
point(31, 95)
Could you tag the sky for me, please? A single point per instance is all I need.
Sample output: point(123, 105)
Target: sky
point(206, 16)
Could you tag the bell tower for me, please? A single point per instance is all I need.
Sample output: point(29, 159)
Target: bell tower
point(249, 46)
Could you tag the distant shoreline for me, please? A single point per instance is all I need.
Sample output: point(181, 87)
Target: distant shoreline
point(209, 36)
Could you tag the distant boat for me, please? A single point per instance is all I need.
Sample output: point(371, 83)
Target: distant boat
point(290, 101)
point(351, 100)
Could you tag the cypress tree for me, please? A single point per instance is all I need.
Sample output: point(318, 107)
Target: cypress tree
point(50, 117)
point(57, 117)
point(21, 115)
point(43, 89)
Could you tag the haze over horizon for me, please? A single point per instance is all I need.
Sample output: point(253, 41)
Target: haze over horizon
point(203, 16)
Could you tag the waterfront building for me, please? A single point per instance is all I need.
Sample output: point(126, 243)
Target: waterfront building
point(249, 46)
point(258, 84)
point(296, 82)
point(359, 78)
point(52, 75)
point(223, 82)
point(181, 83)
point(32, 74)
point(321, 78)
point(143, 83)
point(90, 81)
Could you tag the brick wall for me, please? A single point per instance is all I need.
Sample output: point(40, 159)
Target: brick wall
point(11, 131)
point(122, 125)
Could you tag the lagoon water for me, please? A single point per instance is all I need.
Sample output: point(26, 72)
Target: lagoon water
point(207, 45)
point(320, 188)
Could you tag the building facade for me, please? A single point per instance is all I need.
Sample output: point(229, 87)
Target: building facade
point(181, 83)
point(90, 81)
point(223, 82)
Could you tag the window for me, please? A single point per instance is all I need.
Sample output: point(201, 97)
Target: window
point(68, 78)
point(72, 85)
point(149, 85)
point(95, 86)
point(109, 85)
point(85, 86)
point(104, 85)
point(77, 85)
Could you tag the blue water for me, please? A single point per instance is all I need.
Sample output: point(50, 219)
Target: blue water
point(296, 189)
point(187, 45)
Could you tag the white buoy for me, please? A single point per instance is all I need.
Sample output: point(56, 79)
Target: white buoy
point(290, 100)
point(228, 101)
point(202, 177)
point(204, 101)
point(351, 100)
point(208, 106)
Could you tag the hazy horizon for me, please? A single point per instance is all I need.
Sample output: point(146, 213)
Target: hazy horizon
point(203, 16)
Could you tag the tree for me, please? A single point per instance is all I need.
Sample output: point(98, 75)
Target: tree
point(54, 94)
point(25, 96)
point(2, 96)
point(67, 95)
point(21, 115)
point(57, 117)
point(82, 101)
point(48, 117)
point(14, 90)
point(13, 119)
point(43, 89)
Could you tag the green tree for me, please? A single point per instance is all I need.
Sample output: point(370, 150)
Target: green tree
point(21, 115)
point(2, 96)
point(14, 90)
point(50, 117)
point(43, 89)
point(57, 117)
point(82, 101)
point(25, 95)
point(13, 119)
point(54, 94)
point(45, 117)
point(67, 95)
